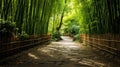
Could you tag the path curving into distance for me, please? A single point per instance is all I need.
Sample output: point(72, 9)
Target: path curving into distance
point(64, 53)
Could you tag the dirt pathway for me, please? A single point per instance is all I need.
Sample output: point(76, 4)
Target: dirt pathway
point(59, 54)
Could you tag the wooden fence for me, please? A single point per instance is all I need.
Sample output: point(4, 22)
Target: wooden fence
point(32, 41)
point(106, 42)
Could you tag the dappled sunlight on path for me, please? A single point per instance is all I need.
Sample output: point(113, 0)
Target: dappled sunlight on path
point(74, 52)
point(60, 54)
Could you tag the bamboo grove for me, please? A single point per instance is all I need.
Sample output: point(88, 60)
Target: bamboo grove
point(35, 16)
point(30, 16)
point(100, 16)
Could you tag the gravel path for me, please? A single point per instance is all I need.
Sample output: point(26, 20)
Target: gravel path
point(64, 53)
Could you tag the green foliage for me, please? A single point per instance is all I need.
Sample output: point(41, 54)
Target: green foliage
point(72, 26)
point(76, 37)
point(7, 30)
point(34, 16)
point(56, 36)
point(98, 17)
point(23, 36)
point(7, 26)
point(31, 16)
point(72, 30)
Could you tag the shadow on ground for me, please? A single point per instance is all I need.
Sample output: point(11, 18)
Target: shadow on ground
point(59, 54)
